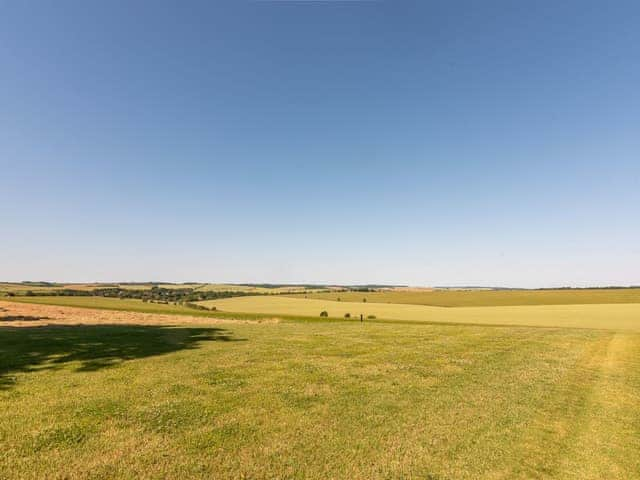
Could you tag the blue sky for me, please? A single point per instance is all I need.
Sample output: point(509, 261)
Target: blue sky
point(426, 143)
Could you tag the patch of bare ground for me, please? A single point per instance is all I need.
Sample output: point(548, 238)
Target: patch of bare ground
point(32, 315)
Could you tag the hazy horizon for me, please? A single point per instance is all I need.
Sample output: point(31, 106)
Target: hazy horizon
point(322, 284)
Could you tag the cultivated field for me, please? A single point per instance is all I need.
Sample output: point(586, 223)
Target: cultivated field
point(616, 316)
point(108, 394)
point(223, 287)
point(487, 298)
point(40, 288)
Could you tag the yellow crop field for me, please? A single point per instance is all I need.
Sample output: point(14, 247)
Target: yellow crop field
point(609, 316)
point(487, 298)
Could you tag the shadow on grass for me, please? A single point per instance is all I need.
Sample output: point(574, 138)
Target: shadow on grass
point(93, 347)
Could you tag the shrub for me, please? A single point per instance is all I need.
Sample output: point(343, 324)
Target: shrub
point(371, 317)
point(364, 300)
point(194, 305)
point(324, 313)
point(347, 315)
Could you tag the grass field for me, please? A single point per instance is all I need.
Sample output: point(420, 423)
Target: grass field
point(488, 298)
point(318, 400)
point(615, 316)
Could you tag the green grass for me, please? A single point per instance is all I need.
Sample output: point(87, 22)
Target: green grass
point(318, 400)
point(609, 316)
point(487, 298)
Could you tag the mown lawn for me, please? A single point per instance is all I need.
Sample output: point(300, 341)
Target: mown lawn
point(318, 400)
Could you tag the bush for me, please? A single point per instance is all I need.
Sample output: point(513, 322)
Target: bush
point(193, 305)
point(364, 300)
point(347, 315)
point(371, 317)
point(324, 313)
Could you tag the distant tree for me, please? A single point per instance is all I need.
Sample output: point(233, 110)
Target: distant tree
point(347, 315)
point(371, 317)
point(364, 300)
point(324, 313)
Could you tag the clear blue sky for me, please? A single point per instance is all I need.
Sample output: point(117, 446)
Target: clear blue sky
point(426, 143)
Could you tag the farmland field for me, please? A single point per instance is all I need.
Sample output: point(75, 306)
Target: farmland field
point(491, 298)
point(130, 305)
point(614, 316)
point(617, 316)
point(40, 288)
point(105, 394)
point(21, 288)
point(222, 287)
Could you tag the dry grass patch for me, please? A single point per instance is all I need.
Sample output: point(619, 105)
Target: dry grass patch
point(32, 315)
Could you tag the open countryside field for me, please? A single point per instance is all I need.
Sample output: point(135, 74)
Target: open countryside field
point(129, 305)
point(616, 316)
point(321, 399)
point(490, 298)
point(8, 287)
point(42, 288)
point(623, 316)
point(224, 287)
